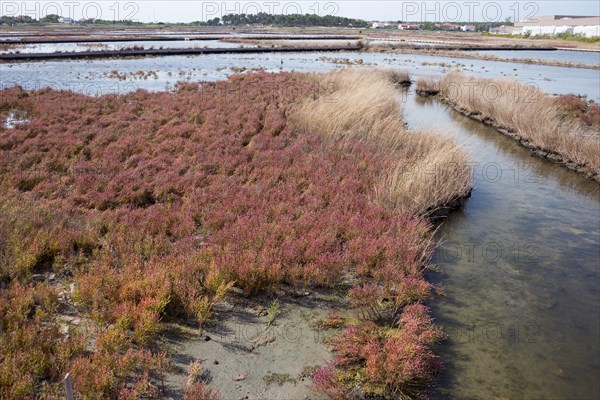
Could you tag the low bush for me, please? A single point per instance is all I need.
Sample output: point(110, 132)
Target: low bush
point(195, 388)
point(387, 362)
point(587, 112)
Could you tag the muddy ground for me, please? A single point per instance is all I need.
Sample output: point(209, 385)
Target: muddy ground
point(247, 357)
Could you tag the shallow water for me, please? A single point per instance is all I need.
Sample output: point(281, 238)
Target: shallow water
point(103, 46)
point(90, 76)
point(520, 268)
point(581, 57)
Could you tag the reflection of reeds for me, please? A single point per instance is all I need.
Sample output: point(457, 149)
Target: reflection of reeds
point(425, 171)
point(528, 112)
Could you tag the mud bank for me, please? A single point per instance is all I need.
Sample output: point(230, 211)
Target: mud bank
point(445, 210)
point(165, 52)
point(472, 54)
point(192, 37)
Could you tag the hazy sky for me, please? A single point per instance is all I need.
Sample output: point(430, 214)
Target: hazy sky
point(186, 11)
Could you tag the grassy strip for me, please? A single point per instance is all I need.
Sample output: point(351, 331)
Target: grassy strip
point(362, 106)
point(527, 114)
point(563, 36)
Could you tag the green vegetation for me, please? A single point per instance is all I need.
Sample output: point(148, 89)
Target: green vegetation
point(564, 36)
point(227, 20)
point(286, 20)
point(479, 26)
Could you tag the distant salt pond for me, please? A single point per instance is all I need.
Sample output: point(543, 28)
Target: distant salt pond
point(99, 46)
point(13, 119)
point(580, 57)
point(93, 76)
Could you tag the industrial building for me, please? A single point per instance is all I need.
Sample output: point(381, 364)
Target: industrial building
point(587, 26)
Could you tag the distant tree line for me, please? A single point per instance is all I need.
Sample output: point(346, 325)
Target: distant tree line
point(25, 19)
point(286, 20)
point(228, 20)
point(55, 19)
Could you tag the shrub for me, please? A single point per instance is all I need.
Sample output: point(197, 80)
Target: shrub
point(587, 112)
point(196, 389)
point(388, 362)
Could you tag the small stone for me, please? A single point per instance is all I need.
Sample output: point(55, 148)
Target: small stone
point(554, 157)
point(206, 338)
point(264, 340)
point(240, 377)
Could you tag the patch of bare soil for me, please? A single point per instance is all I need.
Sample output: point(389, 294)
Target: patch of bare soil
point(259, 348)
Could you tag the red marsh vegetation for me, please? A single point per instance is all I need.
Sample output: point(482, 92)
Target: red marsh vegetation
point(124, 211)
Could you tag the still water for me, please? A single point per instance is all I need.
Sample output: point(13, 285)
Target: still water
point(106, 46)
point(581, 57)
point(93, 76)
point(520, 268)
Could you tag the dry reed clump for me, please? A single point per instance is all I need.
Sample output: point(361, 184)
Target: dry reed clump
point(398, 77)
point(527, 111)
point(428, 86)
point(424, 170)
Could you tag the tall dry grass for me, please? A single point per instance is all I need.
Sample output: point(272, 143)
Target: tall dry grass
point(428, 86)
point(398, 77)
point(529, 112)
point(425, 170)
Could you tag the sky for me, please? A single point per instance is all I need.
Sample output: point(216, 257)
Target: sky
point(187, 11)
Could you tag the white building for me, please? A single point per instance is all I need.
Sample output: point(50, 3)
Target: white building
point(380, 25)
point(468, 28)
point(409, 27)
point(556, 24)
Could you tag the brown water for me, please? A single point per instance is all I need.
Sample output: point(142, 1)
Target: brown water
point(520, 267)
